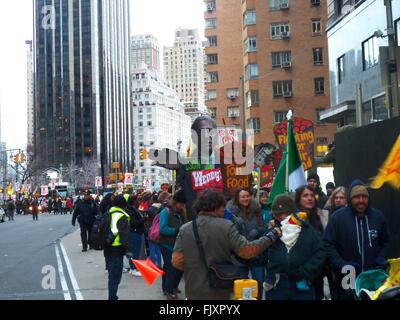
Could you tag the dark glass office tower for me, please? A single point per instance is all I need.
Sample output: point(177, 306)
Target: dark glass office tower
point(82, 100)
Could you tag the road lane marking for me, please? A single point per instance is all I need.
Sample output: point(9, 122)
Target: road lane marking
point(71, 274)
point(64, 285)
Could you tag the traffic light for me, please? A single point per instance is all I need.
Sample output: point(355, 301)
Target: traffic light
point(121, 177)
point(22, 157)
point(16, 158)
point(144, 155)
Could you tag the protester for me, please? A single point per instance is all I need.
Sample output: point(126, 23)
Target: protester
point(171, 219)
point(10, 209)
point(86, 212)
point(295, 259)
point(246, 215)
point(136, 232)
point(114, 254)
point(265, 212)
point(159, 203)
point(330, 187)
point(35, 209)
point(336, 201)
point(356, 236)
point(314, 182)
point(219, 238)
point(69, 205)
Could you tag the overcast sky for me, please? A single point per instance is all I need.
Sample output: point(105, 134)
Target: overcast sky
point(158, 17)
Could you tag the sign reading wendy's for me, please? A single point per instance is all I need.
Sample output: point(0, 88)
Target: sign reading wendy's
point(304, 135)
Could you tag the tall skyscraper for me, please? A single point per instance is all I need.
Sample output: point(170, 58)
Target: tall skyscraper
point(279, 49)
point(82, 88)
point(145, 48)
point(30, 100)
point(184, 69)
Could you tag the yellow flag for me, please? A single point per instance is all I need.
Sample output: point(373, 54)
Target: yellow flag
point(390, 171)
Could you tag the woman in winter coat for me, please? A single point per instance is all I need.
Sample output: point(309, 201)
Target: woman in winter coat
point(265, 212)
point(246, 215)
point(305, 199)
point(337, 200)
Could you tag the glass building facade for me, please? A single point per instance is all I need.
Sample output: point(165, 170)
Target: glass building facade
point(82, 82)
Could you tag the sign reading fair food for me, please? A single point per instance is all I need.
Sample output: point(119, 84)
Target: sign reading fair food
point(207, 179)
point(304, 135)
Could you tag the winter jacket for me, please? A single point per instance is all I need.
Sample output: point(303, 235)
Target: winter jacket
point(85, 212)
point(266, 214)
point(170, 223)
point(351, 240)
point(321, 198)
point(252, 228)
point(306, 258)
point(138, 220)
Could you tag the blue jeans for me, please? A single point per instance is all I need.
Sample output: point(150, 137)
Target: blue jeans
point(155, 254)
point(114, 266)
point(172, 276)
point(287, 290)
point(258, 274)
point(136, 240)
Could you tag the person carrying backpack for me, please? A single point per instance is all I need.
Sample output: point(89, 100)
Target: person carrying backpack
point(114, 251)
point(160, 202)
point(85, 212)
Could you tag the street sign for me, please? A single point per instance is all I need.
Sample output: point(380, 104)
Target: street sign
point(44, 190)
point(147, 183)
point(120, 188)
point(128, 179)
point(99, 182)
point(53, 184)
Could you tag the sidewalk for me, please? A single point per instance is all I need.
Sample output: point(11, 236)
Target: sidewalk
point(89, 270)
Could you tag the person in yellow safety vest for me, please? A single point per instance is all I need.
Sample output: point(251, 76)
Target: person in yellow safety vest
point(114, 253)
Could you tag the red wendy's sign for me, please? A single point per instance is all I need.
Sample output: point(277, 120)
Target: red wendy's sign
point(207, 179)
point(304, 135)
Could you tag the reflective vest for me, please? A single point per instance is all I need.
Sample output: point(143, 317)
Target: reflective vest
point(116, 215)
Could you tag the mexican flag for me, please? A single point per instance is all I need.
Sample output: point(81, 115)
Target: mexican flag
point(290, 169)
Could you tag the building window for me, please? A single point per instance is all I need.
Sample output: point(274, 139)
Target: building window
point(331, 8)
point(233, 112)
point(278, 4)
point(322, 146)
point(370, 52)
point(213, 77)
point(250, 44)
point(315, 3)
point(380, 112)
point(252, 71)
point(249, 17)
point(317, 116)
point(211, 23)
point(212, 41)
point(341, 70)
point(254, 124)
point(213, 112)
point(318, 57)
point(281, 59)
point(319, 86)
point(280, 30)
point(211, 6)
point(280, 116)
point(211, 94)
point(252, 99)
point(282, 89)
point(212, 59)
point(232, 93)
point(316, 26)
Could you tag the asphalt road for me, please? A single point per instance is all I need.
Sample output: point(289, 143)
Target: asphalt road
point(29, 266)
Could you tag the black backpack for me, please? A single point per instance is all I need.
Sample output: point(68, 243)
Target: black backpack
point(102, 235)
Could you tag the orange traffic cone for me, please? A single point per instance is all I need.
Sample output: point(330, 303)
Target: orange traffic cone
point(149, 274)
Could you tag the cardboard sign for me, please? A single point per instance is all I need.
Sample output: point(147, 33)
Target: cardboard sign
point(128, 179)
point(226, 136)
point(207, 179)
point(267, 176)
point(53, 184)
point(120, 188)
point(44, 190)
point(147, 183)
point(304, 135)
point(99, 182)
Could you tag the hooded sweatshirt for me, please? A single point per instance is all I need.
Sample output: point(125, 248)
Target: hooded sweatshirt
point(352, 240)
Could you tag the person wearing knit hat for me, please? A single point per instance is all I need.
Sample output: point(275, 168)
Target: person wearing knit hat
point(301, 245)
point(330, 187)
point(356, 236)
point(314, 182)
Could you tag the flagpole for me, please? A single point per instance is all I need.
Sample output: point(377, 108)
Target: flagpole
point(288, 117)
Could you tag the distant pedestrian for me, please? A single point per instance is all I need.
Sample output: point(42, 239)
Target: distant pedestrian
point(10, 209)
point(85, 212)
point(69, 205)
point(330, 187)
point(35, 209)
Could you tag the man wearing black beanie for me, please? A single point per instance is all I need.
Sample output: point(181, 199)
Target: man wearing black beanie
point(314, 182)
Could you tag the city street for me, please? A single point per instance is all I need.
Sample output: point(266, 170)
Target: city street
point(78, 276)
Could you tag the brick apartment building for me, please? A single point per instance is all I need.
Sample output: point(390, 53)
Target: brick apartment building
point(280, 48)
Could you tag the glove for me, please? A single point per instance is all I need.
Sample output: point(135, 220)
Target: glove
point(295, 276)
point(274, 234)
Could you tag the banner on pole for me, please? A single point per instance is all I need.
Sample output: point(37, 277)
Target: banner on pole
point(44, 190)
point(128, 179)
